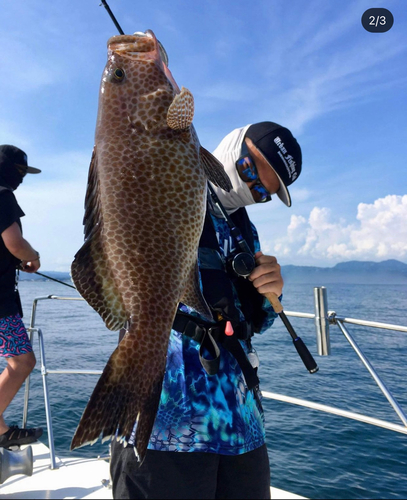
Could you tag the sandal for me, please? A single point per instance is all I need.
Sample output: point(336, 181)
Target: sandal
point(17, 437)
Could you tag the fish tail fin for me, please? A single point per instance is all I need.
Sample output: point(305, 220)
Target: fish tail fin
point(122, 398)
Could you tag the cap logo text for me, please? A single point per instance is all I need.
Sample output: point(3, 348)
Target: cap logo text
point(288, 160)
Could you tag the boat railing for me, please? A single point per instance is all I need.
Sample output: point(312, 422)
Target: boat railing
point(323, 319)
point(45, 372)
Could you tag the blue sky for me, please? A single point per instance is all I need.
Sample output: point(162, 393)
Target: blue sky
point(308, 65)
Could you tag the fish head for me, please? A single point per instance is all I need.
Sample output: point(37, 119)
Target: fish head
point(136, 82)
point(143, 46)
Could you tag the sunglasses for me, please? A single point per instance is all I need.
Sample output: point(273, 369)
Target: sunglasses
point(247, 171)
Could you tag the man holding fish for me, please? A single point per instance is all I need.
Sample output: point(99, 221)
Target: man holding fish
point(180, 392)
point(208, 440)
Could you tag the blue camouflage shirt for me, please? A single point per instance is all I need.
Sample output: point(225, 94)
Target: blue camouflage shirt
point(208, 413)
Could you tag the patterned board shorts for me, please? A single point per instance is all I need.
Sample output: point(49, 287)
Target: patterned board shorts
point(13, 337)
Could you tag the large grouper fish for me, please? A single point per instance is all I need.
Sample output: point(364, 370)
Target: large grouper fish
point(144, 211)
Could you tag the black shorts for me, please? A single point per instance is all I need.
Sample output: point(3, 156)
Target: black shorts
point(195, 475)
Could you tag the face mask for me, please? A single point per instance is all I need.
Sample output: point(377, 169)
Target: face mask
point(9, 176)
point(228, 152)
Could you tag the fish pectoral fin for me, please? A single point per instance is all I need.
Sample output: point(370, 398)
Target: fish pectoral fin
point(90, 271)
point(192, 295)
point(92, 278)
point(214, 170)
point(181, 111)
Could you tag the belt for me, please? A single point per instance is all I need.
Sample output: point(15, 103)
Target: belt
point(208, 334)
point(196, 328)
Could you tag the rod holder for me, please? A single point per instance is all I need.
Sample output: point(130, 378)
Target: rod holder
point(322, 321)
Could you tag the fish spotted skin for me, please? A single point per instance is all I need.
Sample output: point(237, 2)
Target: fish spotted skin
point(144, 213)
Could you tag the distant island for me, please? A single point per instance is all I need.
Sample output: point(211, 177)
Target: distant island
point(387, 272)
point(61, 276)
point(390, 272)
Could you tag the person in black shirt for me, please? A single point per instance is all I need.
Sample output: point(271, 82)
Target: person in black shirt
point(15, 252)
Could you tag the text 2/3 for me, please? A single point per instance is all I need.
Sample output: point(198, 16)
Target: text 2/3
point(374, 21)
point(377, 20)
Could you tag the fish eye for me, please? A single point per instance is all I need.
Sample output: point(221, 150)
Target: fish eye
point(118, 74)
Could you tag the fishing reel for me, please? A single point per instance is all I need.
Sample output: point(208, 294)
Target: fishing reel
point(241, 264)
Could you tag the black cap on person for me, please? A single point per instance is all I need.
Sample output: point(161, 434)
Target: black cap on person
point(282, 152)
point(15, 156)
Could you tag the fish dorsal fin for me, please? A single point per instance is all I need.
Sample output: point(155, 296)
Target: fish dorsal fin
point(192, 295)
point(181, 111)
point(214, 170)
point(90, 270)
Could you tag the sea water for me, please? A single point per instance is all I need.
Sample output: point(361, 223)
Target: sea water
point(313, 454)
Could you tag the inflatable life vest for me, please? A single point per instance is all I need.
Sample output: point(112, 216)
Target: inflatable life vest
point(218, 281)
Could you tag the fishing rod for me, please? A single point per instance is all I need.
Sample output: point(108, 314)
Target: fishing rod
point(162, 50)
point(54, 279)
point(112, 16)
point(243, 264)
point(246, 262)
point(104, 3)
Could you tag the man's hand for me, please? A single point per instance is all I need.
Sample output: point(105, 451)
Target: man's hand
point(30, 267)
point(266, 276)
point(20, 248)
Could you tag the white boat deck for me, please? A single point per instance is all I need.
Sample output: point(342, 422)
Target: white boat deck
point(74, 478)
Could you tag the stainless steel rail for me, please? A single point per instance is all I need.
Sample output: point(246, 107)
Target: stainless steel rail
point(336, 411)
point(371, 324)
point(382, 386)
point(322, 319)
point(45, 372)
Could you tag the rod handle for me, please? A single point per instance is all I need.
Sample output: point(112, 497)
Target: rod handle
point(305, 355)
point(273, 299)
point(302, 349)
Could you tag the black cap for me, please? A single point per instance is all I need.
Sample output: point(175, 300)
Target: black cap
point(15, 156)
point(282, 152)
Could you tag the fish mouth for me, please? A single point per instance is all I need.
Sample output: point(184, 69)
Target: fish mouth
point(140, 45)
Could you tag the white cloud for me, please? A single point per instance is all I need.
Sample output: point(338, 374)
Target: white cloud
point(379, 233)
